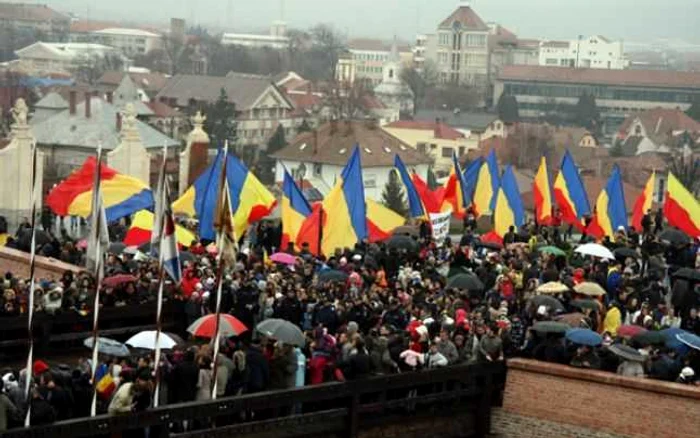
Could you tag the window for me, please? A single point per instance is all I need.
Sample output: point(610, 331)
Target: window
point(476, 40)
point(457, 41)
point(447, 152)
point(370, 181)
point(318, 169)
point(433, 146)
point(444, 39)
point(638, 130)
point(551, 61)
point(442, 58)
point(391, 73)
point(422, 148)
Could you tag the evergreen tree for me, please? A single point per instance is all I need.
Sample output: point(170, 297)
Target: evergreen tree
point(221, 120)
point(694, 111)
point(267, 164)
point(616, 150)
point(277, 141)
point(393, 196)
point(586, 113)
point(508, 109)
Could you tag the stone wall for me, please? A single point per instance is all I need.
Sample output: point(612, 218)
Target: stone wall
point(571, 402)
point(17, 262)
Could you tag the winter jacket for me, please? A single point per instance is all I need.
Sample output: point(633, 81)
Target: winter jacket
point(122, 400)
point(258, 370)
point(8, 410)
point(435, 360)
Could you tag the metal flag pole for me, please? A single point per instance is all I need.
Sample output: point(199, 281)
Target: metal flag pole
point(97, 231)
point(160, 215)
point(30, 310)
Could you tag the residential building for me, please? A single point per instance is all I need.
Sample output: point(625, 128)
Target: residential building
point(569, 137)
point(419, 52)
point(131, 42)
point(276, 39)
point(320, 156)
point(460, 49)
point(346, 69)
point(34, 19)
point(436, 139)
point(370, 56)
point(260, 105)
point(592, 52)
point(42, 57)
point(72, 135)
point(618, 93)
point(148, 83)
point(658, 130)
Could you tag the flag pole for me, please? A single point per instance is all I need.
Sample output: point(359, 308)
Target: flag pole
point(97, 232)
point(221, 241)
point(160, 215)
point(30, 310)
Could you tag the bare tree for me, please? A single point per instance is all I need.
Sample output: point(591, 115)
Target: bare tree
point(329, 43)
point(420, 81)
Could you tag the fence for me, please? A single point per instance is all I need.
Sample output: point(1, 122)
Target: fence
point(452, 401)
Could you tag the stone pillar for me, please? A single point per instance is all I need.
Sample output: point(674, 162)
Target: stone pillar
point(130, 157)
point(15, 168)
point(194, 159)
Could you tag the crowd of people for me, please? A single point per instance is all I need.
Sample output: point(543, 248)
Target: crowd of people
point(377, 308)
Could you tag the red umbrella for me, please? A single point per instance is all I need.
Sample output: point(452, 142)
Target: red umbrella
point(628, 331)
point(118, 280)
point(205, 326)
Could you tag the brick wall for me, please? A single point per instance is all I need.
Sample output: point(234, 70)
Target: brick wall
point(593, 404)
point(17, 262)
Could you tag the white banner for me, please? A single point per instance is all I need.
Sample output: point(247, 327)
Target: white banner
point(440, 224)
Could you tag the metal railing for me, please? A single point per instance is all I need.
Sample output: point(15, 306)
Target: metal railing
point(331, 409)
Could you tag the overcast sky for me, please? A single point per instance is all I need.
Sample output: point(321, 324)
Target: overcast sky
point(632, 20)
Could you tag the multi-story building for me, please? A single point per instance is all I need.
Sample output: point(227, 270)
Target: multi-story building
point(43, 57)
point(593, 52)
point(370, 56)
point(21, 17)
point(130, 41)
point(277, 38)
point(460, 49)
point(419, 52)
point(618, 93)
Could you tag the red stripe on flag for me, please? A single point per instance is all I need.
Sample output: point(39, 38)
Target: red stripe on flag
point(678, 217)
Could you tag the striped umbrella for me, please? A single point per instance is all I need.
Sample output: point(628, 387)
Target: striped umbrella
point(205, 326)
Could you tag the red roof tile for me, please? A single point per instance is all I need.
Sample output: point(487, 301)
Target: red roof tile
point(466, 16)
point(661, 121)
point(642, 78)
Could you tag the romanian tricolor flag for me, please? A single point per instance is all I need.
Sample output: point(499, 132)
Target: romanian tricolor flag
point(250, 200)
point(610, 212)
point(570, 194)
point(456, 196)
point(681, 209)
point(122, 195)
point(295, 210)
point(142, 225)
point(643, 202)
point(509, 210)
point(431, 199)
point(471, 175)
point(415, 205)
point(381, 221)
point(542, 193)
point(487, 185)
point(344, 209)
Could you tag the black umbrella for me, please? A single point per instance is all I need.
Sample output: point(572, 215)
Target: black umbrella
point(456, 270)
point(625, 252)
point(687, 274)
point(585, 304)
point(403, 242)
point(116, 248)
point(547, 301)
point(626, 352)
point(332, 275)
point(674, 236)
point(550, 327)
point(465, 281)
point(186, 256)
point(406, 230)
point(489, 245)
point(650, 337)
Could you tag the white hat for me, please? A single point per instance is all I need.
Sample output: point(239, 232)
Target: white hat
point(542, 310)
point(621, 228)
point(357, 257)
point(687, 372)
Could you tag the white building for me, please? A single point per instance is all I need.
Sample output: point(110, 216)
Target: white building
point(276, 39)
point(392, 91)
point(593, 52)
point(320, 156)
point(130, 41)
point(369, 57)
point(60, 57)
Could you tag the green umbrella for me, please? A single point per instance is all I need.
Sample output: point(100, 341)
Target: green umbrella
point(557, 252)
point(550, 327)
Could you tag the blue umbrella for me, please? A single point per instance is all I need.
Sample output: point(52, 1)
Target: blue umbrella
point(689, 339)
point(669, 335)
point(583, 336)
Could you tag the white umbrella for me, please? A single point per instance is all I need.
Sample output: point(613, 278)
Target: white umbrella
point(147, 340)
point(595, 250)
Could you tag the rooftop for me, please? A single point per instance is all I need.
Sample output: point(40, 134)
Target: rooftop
point(76, 130)
point(459, 119)
point(662, 121)
point(333, 143)
point(52, 100)
point(376, 45)
point(127, 32)
point(467, 19)
point(639, 78)
point(440, 130)
point(64, 50)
